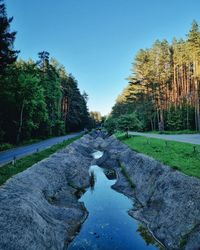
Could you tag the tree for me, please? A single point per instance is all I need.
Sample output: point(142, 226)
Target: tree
point(129, 122)
point(110, 124)
point(7, 54)
point(7, 57)
point(194, 50)
point(51, 83)
point(164, 84)
point(37, 99)
point(23, 101)
point(96, 118)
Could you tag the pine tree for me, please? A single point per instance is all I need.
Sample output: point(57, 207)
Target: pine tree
point(165, 84)
point(194, 50)
point(7, 54)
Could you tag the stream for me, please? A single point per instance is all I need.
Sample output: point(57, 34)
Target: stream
point(108, 225)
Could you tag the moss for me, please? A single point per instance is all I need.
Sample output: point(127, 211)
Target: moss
point(125, 173)
point(51, 199)
point(79, 191)
point(147, 236)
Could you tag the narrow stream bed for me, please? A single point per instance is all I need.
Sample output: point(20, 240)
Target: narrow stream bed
point(108, 225)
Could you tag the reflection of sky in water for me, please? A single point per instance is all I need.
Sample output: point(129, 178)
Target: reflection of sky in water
point(97, 154)
point(108, 226)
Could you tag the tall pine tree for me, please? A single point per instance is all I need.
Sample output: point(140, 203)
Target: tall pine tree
point(7, 54)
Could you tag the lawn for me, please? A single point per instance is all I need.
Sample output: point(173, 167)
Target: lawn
point(184, 157)
point(9, 170)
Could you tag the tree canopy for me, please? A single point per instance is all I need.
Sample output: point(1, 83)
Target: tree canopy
point(163, 89)
point(37, 98)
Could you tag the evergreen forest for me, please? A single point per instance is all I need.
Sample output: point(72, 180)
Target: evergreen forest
point(163, 91)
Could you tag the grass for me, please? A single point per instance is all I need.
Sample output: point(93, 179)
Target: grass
point(6, 146)
point(184, 157)
point(9, 170)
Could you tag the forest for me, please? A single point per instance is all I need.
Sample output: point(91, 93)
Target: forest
point(39, 98)
point(163, 91)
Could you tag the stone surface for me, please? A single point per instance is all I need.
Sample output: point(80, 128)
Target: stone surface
point(167, 201)
point(39, 207)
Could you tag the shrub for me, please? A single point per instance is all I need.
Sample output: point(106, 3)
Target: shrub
point(110, 124)
point(129, 121)
point(124, 122)
point(5, 146)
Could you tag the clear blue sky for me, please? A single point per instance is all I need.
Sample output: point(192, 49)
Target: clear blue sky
point(96, 40)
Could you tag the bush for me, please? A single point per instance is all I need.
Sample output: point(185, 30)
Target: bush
point(124, 122)
point(58, 128)
point(110, 124)
point(130, 122)
point(5, 146)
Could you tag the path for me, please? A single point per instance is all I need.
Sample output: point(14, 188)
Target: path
point(7, 156)
point(188, 138)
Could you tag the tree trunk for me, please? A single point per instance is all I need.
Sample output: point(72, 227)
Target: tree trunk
point(197, 108)
point(20, 122)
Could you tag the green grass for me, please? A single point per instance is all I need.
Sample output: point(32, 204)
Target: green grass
point(6, 146)
point(184, 157)
point(9, 170)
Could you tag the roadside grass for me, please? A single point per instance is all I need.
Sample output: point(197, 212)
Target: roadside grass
point(6, 146)
point(9, 170)
point(184, 157)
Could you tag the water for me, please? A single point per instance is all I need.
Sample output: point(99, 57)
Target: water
point(108, 226)
point(97, 154)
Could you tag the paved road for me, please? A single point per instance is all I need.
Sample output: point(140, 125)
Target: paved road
point(7, 156)
point(188, 138)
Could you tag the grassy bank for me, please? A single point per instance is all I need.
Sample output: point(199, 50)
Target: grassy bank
point(9, 170)
point(184, 157)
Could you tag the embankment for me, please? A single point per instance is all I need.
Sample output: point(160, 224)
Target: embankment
point(39, 207)
point(166, 200)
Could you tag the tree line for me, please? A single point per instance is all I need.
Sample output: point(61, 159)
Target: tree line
point(37, 98)
point(163, 90)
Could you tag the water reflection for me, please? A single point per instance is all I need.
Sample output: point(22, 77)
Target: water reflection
point(97, 154)
point(108, 225)
point(110, 174)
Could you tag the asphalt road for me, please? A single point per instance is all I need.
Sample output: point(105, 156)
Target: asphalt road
point(7, 156)
point(188, 138)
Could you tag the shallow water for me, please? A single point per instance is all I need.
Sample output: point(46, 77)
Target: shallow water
point(108, 225)
point(97, 154)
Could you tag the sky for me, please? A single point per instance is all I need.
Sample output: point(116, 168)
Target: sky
point(96, 40)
